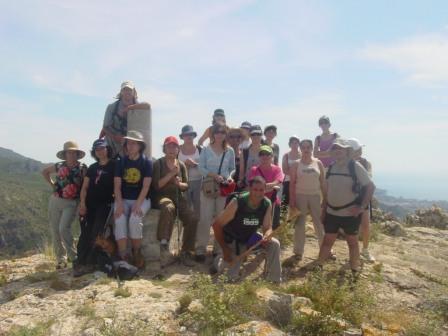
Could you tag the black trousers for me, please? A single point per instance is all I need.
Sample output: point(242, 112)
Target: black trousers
point(93, 225)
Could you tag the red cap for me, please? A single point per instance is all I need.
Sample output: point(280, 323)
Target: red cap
point(171, 140)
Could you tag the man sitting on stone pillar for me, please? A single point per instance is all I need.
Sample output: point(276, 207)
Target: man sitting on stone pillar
point(169, 182)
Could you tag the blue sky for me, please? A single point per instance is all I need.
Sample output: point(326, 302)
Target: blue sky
point(379, 69)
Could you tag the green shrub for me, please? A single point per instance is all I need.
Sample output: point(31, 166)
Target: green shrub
point(40, 329)
point(123, 292)
point(336, 297)
point(184, 302)
point(314, 325)
point(86, 310)
point(224, 304)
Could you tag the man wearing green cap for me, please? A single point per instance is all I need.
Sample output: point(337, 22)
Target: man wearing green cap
point(273, 175)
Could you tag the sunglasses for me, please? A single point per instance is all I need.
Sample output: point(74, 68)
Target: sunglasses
point(234, 136)
point(220, 132)
point(264, 154)
point(255, 134)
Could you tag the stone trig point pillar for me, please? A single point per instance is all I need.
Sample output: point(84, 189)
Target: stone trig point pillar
point(150, 244)
point(141, 120)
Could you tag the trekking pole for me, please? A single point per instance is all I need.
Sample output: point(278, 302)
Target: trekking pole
point(178, 224)
point(253, 247)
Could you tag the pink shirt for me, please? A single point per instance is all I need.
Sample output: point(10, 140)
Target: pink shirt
point(274, 173)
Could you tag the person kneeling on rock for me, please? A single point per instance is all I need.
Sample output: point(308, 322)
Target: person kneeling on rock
point(169, 182)
point(237, 226)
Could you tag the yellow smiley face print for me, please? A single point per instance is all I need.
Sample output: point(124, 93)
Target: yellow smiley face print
point(132, 175)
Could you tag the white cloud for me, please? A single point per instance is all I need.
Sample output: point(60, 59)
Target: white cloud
point(421, 59)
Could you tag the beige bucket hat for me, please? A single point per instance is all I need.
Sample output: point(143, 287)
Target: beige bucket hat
point(73, 146)
point(134, 135)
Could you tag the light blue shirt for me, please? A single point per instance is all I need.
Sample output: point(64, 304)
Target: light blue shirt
point(209, 162)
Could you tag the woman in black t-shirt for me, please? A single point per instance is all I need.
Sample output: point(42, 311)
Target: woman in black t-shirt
point(95, 205)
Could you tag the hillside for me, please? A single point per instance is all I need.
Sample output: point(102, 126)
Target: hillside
point(23, 203)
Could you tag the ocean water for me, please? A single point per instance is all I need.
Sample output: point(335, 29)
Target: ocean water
point(432, 188)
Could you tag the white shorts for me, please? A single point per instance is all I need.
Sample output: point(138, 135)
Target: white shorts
point(129, 225)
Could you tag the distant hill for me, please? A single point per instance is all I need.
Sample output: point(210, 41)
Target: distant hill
point(400, 206)
point(12, 162)
point(23, 203)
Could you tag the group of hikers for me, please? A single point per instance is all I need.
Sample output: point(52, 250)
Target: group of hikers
point(235, 185)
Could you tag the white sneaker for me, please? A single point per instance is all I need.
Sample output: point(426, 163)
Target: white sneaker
point(367, 256)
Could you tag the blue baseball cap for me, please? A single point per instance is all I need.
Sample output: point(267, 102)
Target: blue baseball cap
point(99, 143)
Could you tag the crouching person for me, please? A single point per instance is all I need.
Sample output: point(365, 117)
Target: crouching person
point(170, 182)
point(237, 225)
point(131, 187)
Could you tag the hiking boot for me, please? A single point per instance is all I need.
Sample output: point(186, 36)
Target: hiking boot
point(292, 260)
point(80, 270)
point(200, 258)
point(186, 259)
point(365, 254)
point(138, 259)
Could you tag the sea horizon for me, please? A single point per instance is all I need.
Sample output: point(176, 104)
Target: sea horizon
point(432, 188)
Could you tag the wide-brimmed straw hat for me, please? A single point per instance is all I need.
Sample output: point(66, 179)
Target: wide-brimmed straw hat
point(134, 135)
point(73, 146)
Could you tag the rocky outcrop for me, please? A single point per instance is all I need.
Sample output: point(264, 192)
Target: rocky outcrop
point(253, 328)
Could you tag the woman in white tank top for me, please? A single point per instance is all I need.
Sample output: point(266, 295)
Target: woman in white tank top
point(307, 184)
point(189, 154)
point(287, 161)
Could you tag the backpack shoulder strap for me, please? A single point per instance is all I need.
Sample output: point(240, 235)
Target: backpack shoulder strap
point(328, 174)
point(199, 148)
point(352, 171)
point(245, 156)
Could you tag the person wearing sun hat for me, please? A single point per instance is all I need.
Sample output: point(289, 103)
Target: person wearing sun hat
point(189, 155)
point(132, 179)
point(64, 201)
point(349, 191)
point(273, 176)
point(95, 205)
point(115, 118)
point(170, 181)
point(365, 220)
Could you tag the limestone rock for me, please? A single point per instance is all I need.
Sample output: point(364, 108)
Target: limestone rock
point(300, 301)
point(393, 228)
point(150, 244)
point(278, 306)
point(353, 332)
point(253, 328)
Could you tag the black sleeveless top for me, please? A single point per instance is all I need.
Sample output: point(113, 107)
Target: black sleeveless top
point(247, 220)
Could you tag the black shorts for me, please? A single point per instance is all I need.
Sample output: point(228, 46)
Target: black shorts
point(350, 225)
